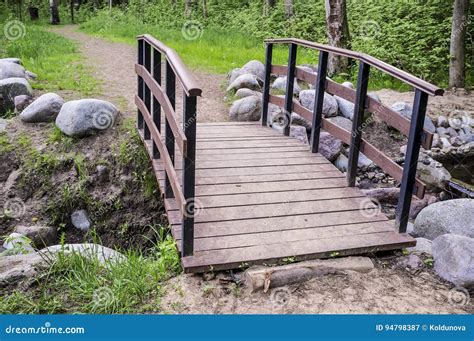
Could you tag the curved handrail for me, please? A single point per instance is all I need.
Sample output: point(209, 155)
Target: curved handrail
point(182, 73)
point(416, 82)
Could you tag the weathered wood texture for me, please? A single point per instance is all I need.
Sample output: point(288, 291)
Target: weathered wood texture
point(261, 197)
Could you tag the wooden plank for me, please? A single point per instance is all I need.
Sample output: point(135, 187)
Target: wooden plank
point(254, 156)
point(302, 250)
point(167, 164)
point(166, 106)
point(248, 144)
point(215, 164)
point(276, 197)
point(256, 150)
point(263, 170)
point(284, 209)
point(276, 237)
point(287, 223)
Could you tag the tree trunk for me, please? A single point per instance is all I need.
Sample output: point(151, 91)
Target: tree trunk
point(53, 6)
point(267, 5)
point(204, 8)
point(188, 8)
point(288, 8)
point(71, 3)
point(457, 46)
point(338, 34)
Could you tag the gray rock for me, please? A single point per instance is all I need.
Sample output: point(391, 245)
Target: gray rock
point(364, 161)
point(22, 101)
point(406, 110)
point(375, 96)
point(451, 216)
point(298, 132)
point(329, 146)
point(442, 131)
point(3, 125)
point(30, 75)
point(90, 251)
point(247, 80)
point(244, 92)
point(342, 122)
point(11, 60)
point(442, 121)
point(86, 116)
point(452, 132)
point(411, 261)
point(246, 109)
point(341, 163)
point(298, 120)
point(234, 74)
point(275, 114)
point(329, 104)
point(456, 141)
point(17, 243)
point(40, 235)
point(423, 245)
point(345, 107)
point(255, 68)
point(102, 173)
point(44, 109)
point(80, 220)
point(20, 271)
point(467, 138)
point(348, 84)
point(454, 259)
point(11, 70)
point(387, 195)
point(11, 88)
point(280, 84)
point(433, 174)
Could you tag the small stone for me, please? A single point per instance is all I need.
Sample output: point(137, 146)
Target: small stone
point(255, 68)
point(442, 121)
point(102, 173)
point(280, 84)
point(244, 92)
point(22, 101)
point(40, 235)
point(411, 261)
point(247, 80)
point(44, 109)
point(80, 220)
point(423, 245)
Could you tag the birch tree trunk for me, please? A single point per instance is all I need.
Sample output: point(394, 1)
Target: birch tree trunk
point(338, 34)
point(53, 6)
point(288, 8)
point(457, 45)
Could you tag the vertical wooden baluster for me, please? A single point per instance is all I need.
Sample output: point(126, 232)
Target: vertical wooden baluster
point(290, 81)
point(411, 160)
point(359, 110)
point(266, 83)
point(320, 87)
point(156, 104)
point(147, 92)
point(140, 83)
point(189, 166)
point(169, 137)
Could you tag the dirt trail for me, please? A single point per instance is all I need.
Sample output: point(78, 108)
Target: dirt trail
point(112, 64)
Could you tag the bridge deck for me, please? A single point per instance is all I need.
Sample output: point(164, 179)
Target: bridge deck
point(262, 197)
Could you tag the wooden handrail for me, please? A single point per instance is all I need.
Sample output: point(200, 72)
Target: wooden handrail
point(158, 140)
point(416, 82)
point(182, 73)
point(380, 159)
point(393, 118)
point(161, 97)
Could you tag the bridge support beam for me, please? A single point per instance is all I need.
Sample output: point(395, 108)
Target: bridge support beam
point(411, 160)
point(156, 104)
point(266, 83)
point(169, 137)
point(146, 89)
point(140, 84)
point(320, 87)
point(290, 81)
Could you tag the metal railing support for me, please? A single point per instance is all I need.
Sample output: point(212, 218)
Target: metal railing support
point(266, 83)
point(320, 87)
point(290, 81)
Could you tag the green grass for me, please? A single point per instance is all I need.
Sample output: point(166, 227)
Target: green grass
point(75, 284)
point(54, 59)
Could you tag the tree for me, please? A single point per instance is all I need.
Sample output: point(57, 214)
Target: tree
point(53, 6)
point(338, 34)
point(288, 8)
point(457, 45)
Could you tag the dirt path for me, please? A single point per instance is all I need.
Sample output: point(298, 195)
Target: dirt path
point(112, 64)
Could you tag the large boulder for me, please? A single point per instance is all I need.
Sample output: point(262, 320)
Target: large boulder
point(298, 120)
point(329, 146)
point(86, 116)
point(329, 103)
point(20, 271)
point(255, 68)
point(342, 122)
point(406, 110)
point(454, 259)
point(246, 109)
point(11, 60)
point(90, 251)
point(11, 88)
point(345, 107)
point(451, 216)
point(234, 74)
point(11, 70)
point(244, 92)
point(247, 80)
point(280, 85)
point(433, 174)
point(44, 109)
point(40, 235)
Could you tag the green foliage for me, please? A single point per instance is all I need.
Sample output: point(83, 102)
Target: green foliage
point(75, 284)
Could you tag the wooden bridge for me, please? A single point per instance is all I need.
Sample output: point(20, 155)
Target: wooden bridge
point(240, 193)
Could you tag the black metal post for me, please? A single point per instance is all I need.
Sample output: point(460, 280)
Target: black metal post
point(266, 83)
point(169, 137)
point(147, 92)
point(320, 87)
point(411, 160)
point(156, 104)
point(189, 169)
point(290, 81)
point(359, 110)
point(140, 83)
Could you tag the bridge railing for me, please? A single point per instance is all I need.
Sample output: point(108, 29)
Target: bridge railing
point(413, 128)
point(151, 100)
